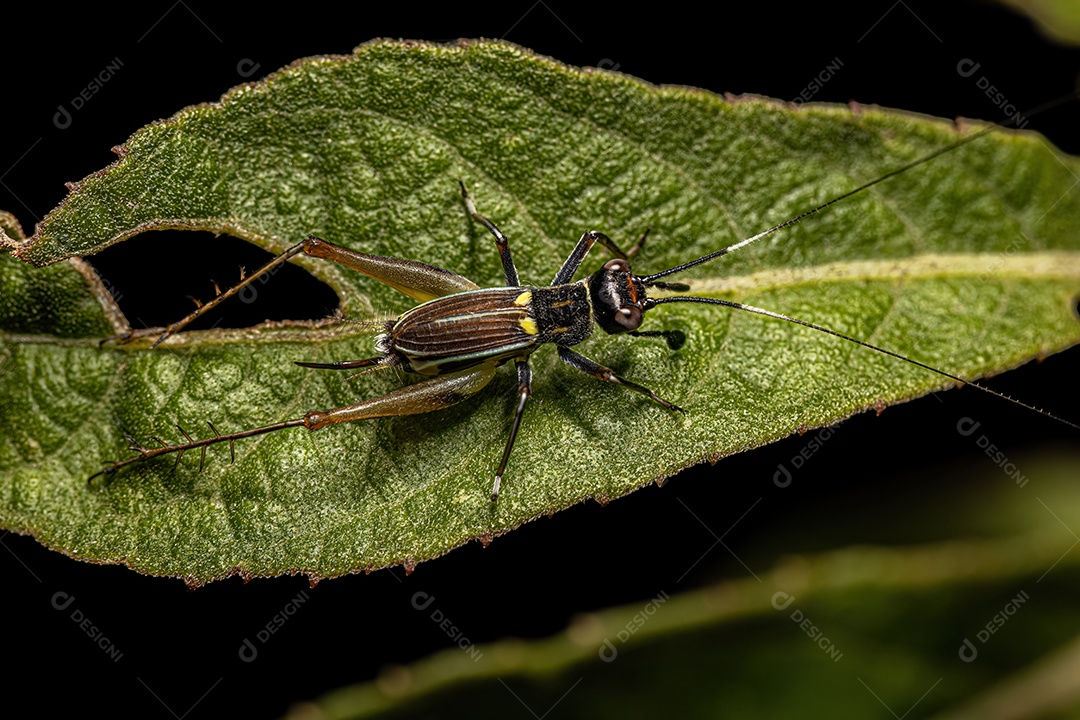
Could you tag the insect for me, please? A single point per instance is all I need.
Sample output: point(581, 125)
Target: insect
point(460, 333)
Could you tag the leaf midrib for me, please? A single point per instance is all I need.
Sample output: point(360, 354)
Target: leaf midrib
point(1029, 266)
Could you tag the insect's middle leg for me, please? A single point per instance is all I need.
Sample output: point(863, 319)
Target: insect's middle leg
point(345, 364)
point(509, 269)
point(606, 374)
point(524, 393)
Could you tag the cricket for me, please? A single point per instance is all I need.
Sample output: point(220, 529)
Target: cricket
point(459, 333)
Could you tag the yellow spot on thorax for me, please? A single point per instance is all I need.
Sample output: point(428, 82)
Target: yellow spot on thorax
point(523, 299)
point(529, 325)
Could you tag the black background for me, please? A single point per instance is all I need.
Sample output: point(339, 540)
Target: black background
point(180, 648)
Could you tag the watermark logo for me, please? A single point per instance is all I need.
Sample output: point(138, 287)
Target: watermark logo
point(967, 427)
point(967, 68)
point(783, 475)
point(247, 67)
point(249, 293)
point(969, 291)
point(818, 81)
point(968, 650)
point(422, 601)
point(608, 650)
point(1003, 257)
point(248, 650)
point(63, 117)
point(782, 601)
point(117, 296)
point(62, 601)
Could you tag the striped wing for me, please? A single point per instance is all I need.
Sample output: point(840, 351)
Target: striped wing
point(466, 329)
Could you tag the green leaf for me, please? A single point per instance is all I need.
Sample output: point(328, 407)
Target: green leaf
point(1057, 19)
point(825, 622)
point(970, 264)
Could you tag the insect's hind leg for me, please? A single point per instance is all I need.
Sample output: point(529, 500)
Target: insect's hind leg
point(606, 374)
point(422, 397)
point(509, 269)
point(221, 297)
point(426, 396)
point(418, 280)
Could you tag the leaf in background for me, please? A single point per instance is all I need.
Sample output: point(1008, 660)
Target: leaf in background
point(1058, 19)
point(970, 263)
point(853, 632)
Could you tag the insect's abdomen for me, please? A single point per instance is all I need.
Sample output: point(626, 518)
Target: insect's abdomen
point(466, 329)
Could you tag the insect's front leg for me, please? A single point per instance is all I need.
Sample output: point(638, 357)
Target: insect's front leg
point(584, 245)
point(509, 269)
point(606, 374)
point(636, 247)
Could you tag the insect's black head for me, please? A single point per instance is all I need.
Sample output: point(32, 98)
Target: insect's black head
point(618, 297)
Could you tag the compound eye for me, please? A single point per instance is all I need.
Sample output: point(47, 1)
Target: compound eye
point(629, 317)
point(617, 264)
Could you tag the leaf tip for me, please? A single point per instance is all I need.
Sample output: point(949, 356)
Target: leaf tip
point(11, 232)
point(6, 242)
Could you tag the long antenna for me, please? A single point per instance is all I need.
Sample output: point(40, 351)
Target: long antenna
point(652, 302)
point(648, 280)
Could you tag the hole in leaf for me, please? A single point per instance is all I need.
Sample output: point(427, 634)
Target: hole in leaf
point(155, 275)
